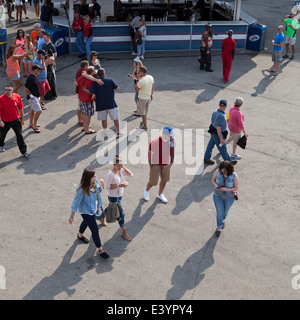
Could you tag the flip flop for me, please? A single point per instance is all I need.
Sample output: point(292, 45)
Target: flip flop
point(90, 132)
point(36, 130)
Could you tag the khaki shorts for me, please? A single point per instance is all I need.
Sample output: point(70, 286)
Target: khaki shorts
point(277, 56)
point(235, 137)
point(157, 171)
point(142, 106)
point(290, 40)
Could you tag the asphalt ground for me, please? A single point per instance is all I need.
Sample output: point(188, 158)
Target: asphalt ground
point(173, 253)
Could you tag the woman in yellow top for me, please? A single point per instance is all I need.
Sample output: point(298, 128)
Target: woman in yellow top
point(28, 60)
point(13, 67)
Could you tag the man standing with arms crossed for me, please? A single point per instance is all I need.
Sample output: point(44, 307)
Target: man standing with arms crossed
point(145, 87)
point(205, 53)
point(11, 110)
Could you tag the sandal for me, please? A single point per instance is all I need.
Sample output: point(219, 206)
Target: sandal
point(271, 70)
point(36, 130)
point(275, 74)
point(125, 235)
point(90, 132)
point(83, 239)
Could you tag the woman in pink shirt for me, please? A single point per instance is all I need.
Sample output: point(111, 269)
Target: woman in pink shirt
point(236, 126)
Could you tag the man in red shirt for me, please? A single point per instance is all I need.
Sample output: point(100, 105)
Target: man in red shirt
point(86, 100)
point(228, 49)
point(77, 27)
point(160, 158)
point(11, 110)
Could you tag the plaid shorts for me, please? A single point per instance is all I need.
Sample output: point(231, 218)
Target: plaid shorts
point(87, 108)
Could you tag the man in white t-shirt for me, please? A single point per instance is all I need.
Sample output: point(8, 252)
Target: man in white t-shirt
point(145, 87)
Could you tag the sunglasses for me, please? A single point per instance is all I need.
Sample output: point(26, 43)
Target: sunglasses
point(8, 90)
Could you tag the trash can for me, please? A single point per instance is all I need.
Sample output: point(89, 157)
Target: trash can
point(256, 37)
point(58, 39)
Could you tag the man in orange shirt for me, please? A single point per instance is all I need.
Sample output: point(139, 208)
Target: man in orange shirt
point(228, 50)
point(11, 110)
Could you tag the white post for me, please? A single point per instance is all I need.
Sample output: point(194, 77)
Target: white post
point(71, 18)
point(237, 10)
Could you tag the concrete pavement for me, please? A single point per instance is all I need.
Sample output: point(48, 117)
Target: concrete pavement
point(173, 253)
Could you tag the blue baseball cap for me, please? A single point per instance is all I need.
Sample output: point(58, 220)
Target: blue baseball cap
point(168, 131)
point(223, 103)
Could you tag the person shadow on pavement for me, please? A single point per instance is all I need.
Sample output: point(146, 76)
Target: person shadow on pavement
point(189, 276)
point(69, 273)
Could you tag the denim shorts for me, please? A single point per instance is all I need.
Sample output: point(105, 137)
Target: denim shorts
point(17, 77)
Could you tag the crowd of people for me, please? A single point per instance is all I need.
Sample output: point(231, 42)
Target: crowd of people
point(36, 54)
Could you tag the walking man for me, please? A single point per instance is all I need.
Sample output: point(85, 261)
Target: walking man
point(105, 100)
point(218, 134)
point(277, 50)
point(32, 90)
point(228, 50)
point(292, 25)
point(205, 53)
point(145, 87)
point(11, 111)
point(160, 158)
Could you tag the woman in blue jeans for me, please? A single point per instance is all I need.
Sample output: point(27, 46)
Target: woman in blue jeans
point(226, 182)
point(88, 201)
point(115, 184)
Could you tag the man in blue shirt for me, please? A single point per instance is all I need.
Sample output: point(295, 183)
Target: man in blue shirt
point(217, 131)
point(105, 100)
point(278, 43)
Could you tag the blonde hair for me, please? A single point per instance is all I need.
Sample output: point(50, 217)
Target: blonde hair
point(138, 64)
point(143, 22)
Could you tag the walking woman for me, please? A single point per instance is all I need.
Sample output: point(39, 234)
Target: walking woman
point(19, 7)
point(13, 67)
point(141, 47)
point(137, 64)
point(27, 60)
point(88, 35)
point(226, 182)
point(115, 184)
point(88, 201)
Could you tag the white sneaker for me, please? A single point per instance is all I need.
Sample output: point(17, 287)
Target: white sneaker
point(142, 57)
point(136, 58)
point(236, 156)
point(2, 149)
point(146, 195)
point(134, 53)
point(162, 198)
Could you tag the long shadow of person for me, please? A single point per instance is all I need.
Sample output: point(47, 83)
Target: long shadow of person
point(195, 191)
point(189, 276)
point(267, 80)
point(69, 274)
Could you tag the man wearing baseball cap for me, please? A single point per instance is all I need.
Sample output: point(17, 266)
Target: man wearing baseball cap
point(218, 134)
point(160, 158)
